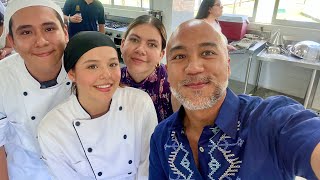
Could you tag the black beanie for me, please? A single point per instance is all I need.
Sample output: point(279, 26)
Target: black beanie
point(81, 43)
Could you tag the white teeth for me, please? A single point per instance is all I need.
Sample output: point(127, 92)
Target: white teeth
point(104, 86)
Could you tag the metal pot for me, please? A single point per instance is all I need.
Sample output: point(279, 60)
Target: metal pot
point(306, 50)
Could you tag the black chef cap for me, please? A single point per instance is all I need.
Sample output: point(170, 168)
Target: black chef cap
point(81, 43)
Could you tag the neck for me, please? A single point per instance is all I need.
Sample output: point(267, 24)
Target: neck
point(138, 77)
point(211, 19)
point(94, 109)
point(198, 119)
point(89, 1)
point(44, 72)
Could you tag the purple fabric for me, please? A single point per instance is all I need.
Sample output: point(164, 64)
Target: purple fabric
point(157, 86)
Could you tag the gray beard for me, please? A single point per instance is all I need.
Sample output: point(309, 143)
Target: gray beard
point(199, 102)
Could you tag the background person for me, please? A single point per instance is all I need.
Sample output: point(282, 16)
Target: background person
point(142, 48)
point(210, 11)
point(5, 47)
point(217, 134)
point(102, 131)
point(32, 82)
point(84, 15)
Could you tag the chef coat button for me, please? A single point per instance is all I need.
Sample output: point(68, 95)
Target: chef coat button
point(33, 117)
point(130, 162)
point(77, 123)
point(120, 108)
point(90, 150)
point(124, 136)
point(25, 93)
point(130, 173)
point(201, 149)
point(68, 83)
point(99, 173)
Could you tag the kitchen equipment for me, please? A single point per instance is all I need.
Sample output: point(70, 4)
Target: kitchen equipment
point(273, 50)
point(234, 27)
point(115, 27)
point(276, 38)
point(309, 50)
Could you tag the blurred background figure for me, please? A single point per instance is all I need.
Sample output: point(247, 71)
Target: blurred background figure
point(84, 15)
point(210, 11)
point(5, 48)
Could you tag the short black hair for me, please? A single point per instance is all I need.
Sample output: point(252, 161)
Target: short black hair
point(56, 13)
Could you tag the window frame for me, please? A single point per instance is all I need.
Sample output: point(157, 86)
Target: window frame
point(292, 23)
point(112, 5)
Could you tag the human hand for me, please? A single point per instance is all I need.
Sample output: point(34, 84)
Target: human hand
point(77, 18)
point(5, 52)
point(231, 48)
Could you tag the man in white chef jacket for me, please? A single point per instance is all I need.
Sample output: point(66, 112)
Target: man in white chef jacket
point(32, 82)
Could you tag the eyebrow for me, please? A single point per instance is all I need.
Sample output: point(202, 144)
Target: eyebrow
point(149, 40)
point(175, 48)
point(94, 60)
point(21, 27)
point(211, 44)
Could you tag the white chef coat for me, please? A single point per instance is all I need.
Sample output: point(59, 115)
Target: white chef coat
point(22, 105)
point(113, 146)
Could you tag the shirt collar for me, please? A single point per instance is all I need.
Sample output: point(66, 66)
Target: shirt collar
point(227, 119)
point(150, 78)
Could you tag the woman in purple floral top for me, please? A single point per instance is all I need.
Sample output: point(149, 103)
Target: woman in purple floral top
point(142, 49)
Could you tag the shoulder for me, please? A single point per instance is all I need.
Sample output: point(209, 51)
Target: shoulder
point(58, 115)
point(274, 111)
point(132, 94)
point(9, 66)
point(98, 3)
point(164, 127)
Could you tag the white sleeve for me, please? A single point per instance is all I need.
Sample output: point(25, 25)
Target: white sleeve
point(3, 120)
point(149, 123)
point(54, 158)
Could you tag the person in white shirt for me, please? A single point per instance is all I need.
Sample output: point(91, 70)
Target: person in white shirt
point(210, 11)
point(103, 130)
point(5, 47)
point(32, 82)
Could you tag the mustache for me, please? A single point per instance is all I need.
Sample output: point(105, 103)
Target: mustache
point(199, 79)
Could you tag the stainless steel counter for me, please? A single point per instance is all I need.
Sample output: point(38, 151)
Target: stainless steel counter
point(263, 56)
point(251, 51)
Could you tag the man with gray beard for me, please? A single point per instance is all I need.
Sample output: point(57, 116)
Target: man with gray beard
point(219, 135)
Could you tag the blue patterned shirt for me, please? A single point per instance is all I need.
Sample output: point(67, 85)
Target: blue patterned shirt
point(251, 138)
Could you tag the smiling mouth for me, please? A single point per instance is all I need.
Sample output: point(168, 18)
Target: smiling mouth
point(198, 85)
point(104, 88)
point(137, 60)
point(43, 54)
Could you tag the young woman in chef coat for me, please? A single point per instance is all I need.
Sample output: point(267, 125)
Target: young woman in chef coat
point(103, 130)
point(142, 48)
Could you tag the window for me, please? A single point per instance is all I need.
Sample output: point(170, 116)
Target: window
point(242, 7)
point(298, 13)
point(128, 3)
point(144, 4)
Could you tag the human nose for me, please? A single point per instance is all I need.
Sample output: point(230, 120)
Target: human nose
point(41, 40)
point(105, 73)
point(194, 66)
point(141, 49)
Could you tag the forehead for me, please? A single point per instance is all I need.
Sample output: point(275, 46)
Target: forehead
point(146, 30)
point(33, 15)
point(189, 36)
point(106, 52)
